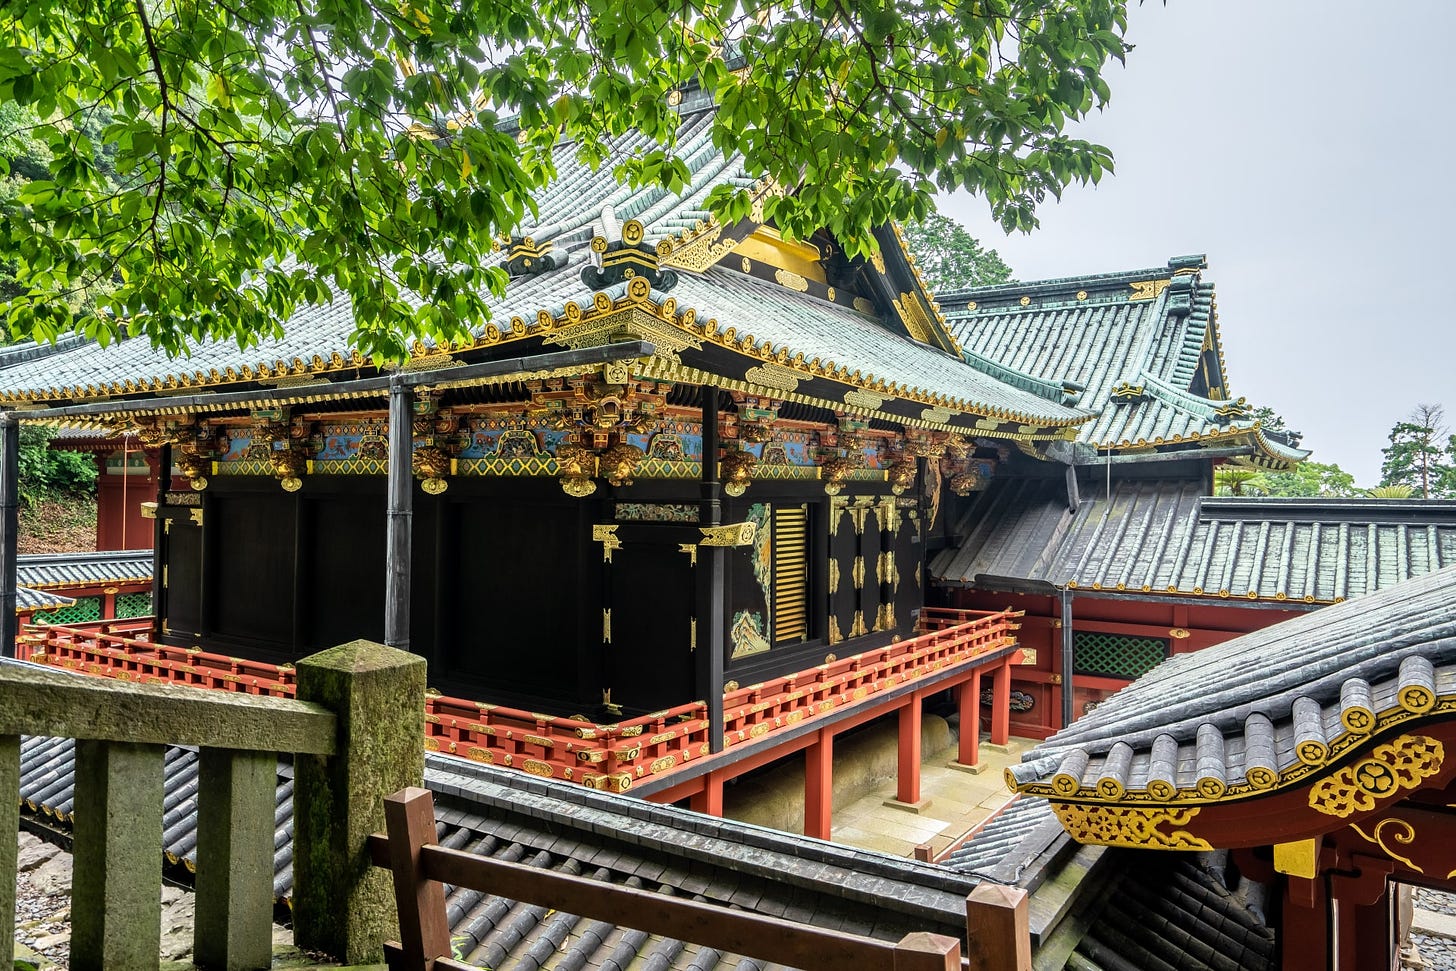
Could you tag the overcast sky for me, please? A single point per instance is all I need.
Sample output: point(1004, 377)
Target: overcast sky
point(1308, 147)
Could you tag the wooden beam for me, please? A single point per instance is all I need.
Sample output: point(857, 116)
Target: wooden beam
point(424, 933)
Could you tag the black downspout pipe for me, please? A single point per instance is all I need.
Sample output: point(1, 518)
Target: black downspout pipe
point(401, 515)
point(1067, 688)
point(9, 527)
point(712, 561)
point(159, 533)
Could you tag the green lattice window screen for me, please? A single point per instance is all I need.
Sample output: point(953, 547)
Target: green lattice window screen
point(1116, 655)
point(133, 605)
point(84, 609)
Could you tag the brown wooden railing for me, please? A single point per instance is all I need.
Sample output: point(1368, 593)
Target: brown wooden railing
point(609, 757)
point(420, 868)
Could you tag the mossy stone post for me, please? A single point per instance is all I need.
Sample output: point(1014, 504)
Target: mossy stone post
point(342, 905)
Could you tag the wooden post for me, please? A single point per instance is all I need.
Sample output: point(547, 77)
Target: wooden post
point(927, 952)
point(969, 703)
point(819, 786)
point(424, 934)
point(401, 515)
point(9, 530)
point(236, 800)
point(159, 550)
point(998, 929)
point(709, 801)
point(1304, 937)
point(907, 787)
point(341, 904)
point(712, 613)
point(116, 875)
point(1068, 690)
point(1001, 704)
point(9, 823)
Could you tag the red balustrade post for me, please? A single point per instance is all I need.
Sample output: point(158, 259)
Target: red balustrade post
point(907, 788)
point(969, 705)
point(819, 786)
point(1001, 704)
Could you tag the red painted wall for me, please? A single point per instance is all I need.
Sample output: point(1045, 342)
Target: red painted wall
point(1043, 679)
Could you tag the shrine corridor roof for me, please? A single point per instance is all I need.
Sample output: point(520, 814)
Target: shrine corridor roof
point(1163, 538)
point(1263, 710)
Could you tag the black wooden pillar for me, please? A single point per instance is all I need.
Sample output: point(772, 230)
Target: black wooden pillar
point(9, 527)
point(712, 567)
point(159, 529)
point(401, 515)
point(1067, 687)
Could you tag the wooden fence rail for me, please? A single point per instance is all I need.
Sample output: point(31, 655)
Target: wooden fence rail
point(420, 868)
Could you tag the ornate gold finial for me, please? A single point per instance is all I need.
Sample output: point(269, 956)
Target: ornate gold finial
point(736, 470)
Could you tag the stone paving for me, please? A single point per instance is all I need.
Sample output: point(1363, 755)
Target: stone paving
point(953, 801)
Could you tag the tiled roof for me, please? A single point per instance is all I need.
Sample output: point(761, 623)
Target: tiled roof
point(1244, 717)
point(549, 292)
point(1118, 909)
point(49, 570)
point(1166, 911)
point(27, 599)
point(613, 839)
point(1162, 537)
point(1141, 345)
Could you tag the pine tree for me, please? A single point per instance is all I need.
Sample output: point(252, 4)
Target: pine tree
point(1421, 454)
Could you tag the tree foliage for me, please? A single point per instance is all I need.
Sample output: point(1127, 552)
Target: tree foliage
point(1311, 479)
point(1422, 454)
point(951, 258)
point(269, 152)
point(45, 473)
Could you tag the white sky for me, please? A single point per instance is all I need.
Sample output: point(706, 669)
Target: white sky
point(1308, 148)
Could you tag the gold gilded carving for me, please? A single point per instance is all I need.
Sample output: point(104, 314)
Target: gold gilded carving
point(792, 280)
point(878, 259)
point(195, 515)
point(1401, 764)
point(536, 767)
point(1402, 832)
point(607, 626)
point(863, 399)
point(691, 549)
point(702, 251)
point(538, 740)
point(857, 628)
point(692, 634)
point(1147, 289)
point(857, 572)
point(833, 576)
point(937, 414)
point(1298, 859)
point(1157, 829)
point(606, 534)
point(733, 534)
point(863, 305)
point(835, 635)
point(663, 764)
point(149, 510)
point(913, 314)
point(1179, 633)
point(774, 376)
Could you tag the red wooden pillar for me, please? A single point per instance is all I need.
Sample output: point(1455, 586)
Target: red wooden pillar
point(969, 704)
point(1304, 937)
point(1001, 704)
point(108, 603)
point(709, 799)
point(819, 786)
point(908, 765)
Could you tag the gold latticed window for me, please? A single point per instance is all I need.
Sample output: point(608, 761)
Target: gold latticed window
point(790, 573)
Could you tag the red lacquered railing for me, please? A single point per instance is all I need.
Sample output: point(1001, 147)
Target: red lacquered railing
point(610, 756)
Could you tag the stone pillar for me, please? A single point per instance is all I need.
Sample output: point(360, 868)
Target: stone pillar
point(237, 798)
point(9, 823)
point(342, 905)
point(116, 875)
